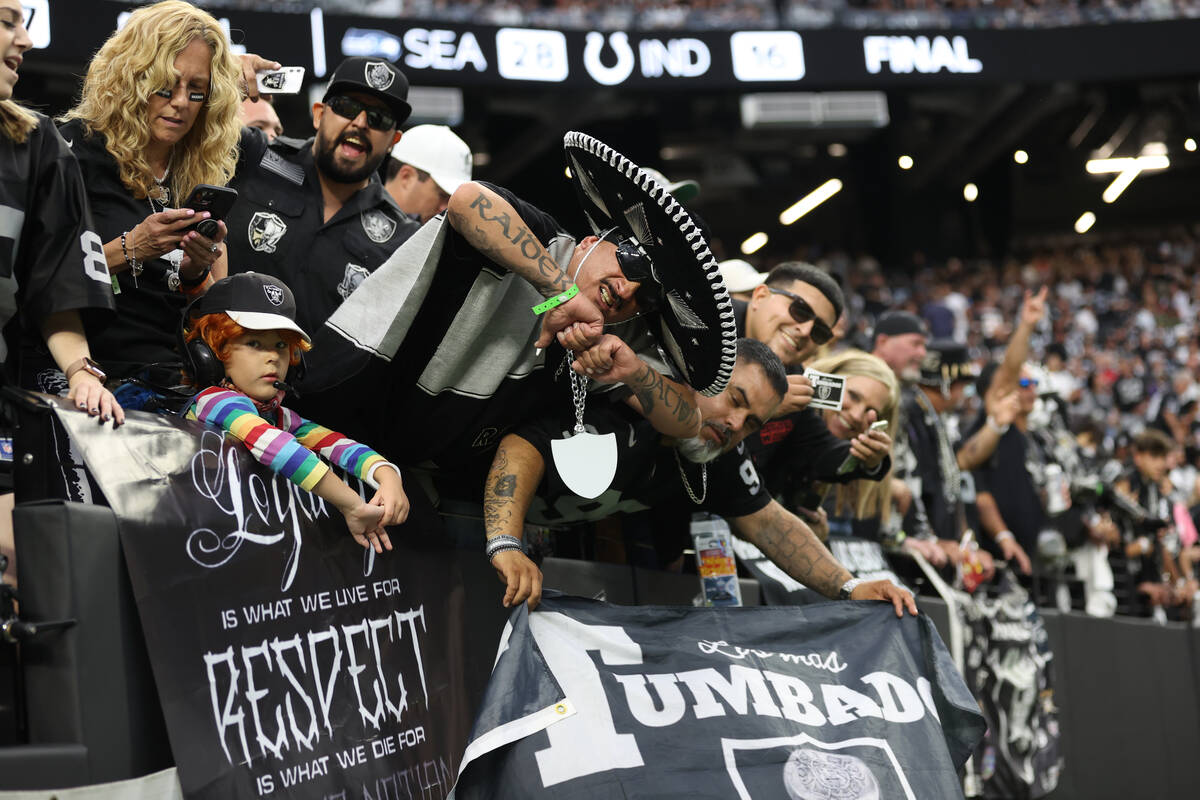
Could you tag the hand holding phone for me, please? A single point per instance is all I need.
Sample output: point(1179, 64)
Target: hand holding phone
point(216, 200)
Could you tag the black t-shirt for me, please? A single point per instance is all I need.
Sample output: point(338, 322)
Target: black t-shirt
point(647, 476)
point(941, 506)
point(1007, 478)
point(148, 313)
point(392, 405)
point(51, 259)
point(278, 226)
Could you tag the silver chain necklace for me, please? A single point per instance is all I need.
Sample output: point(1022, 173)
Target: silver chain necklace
point(687, 487)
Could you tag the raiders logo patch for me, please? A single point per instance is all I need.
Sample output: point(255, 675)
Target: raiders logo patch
point(265, 231)
point(352, 279)
point(378, 226)
point(274, 294)
point(379, 75)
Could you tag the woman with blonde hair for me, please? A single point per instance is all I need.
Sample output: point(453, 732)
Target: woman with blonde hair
point(871, 394)
point(157, 116)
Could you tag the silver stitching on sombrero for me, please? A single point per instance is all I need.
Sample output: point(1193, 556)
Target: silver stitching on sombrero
point(677, 214)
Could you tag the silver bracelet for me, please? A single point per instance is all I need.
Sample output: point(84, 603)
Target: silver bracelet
point(498, 544)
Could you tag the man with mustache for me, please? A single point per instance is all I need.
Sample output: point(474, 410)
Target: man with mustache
point(314, 213)
point(711, 472)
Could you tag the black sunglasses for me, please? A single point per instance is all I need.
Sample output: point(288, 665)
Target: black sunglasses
point(636, 267)
point(379, 119)
point(802, 312)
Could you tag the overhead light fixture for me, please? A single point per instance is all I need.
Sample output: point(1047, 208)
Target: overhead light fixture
point(567, 172)
point(1127, 169)
point(837, 149)
point(970, 193)
point(754, 243)
point(1085, 222)
point(810, 201)
point(1189, 144)
point(905, 162)
point(1020, 156)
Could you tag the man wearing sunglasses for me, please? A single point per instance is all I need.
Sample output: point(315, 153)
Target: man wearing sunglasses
point(314, 213)
point(793, 312)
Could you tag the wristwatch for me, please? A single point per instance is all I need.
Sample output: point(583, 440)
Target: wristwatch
point(87, 365)
point(848, 587)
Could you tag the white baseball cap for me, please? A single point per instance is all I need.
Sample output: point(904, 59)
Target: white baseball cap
point(739, 275)
point(437, 150)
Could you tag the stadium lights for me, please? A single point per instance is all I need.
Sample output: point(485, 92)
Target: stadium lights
point(837, 149)
point(970, 193)
point(1127, 169)
point(810, 201)
point(905, 162)
point(754, 243)
point(1189, 144)
point(1085, 222)
point(1020, 157)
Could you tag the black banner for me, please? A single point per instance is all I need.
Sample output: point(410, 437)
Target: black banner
point(290, 662)
point(839, 700)
point(864, 558)
point(439, 53)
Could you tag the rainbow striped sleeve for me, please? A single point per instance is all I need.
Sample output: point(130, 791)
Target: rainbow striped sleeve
point(271, 446)
point(341, 450)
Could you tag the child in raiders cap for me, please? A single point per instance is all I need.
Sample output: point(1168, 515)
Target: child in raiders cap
point(240, 339)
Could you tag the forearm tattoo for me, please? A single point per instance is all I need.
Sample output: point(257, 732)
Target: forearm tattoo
point(796, 550)
point(519, 250)
point(652, 389)
point(498, 497)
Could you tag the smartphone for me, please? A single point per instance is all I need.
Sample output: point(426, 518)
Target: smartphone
point(285, 80)
point(216, 200)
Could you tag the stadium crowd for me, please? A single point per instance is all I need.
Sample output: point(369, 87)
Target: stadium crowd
point(1041, 411)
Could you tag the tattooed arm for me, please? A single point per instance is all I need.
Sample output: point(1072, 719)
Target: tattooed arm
point(492, 226)
point(514, 477)
point(795, 549)
point(669, 405)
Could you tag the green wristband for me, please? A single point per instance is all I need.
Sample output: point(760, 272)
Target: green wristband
point(557, 300)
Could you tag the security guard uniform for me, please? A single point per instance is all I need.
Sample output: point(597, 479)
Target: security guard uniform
point(278, 227)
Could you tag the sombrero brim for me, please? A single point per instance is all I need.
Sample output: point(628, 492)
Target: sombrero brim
point(696, 322)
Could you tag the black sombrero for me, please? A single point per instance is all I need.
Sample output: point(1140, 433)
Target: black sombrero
point(696, 323)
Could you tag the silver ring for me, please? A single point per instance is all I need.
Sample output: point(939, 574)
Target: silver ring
point(216, 248)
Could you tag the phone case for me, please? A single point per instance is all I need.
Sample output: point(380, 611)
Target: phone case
point(285, 80)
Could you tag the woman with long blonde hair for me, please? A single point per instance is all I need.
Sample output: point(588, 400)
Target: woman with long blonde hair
point(871, 394)
point(157, 116)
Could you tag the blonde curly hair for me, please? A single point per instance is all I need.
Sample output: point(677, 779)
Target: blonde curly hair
point(138, 60)
point(865, 498)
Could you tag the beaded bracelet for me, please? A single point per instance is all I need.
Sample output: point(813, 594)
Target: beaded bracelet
point(498, 544)
point(135, 265)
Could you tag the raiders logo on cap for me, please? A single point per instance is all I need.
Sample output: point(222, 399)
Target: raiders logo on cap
point(274, 294)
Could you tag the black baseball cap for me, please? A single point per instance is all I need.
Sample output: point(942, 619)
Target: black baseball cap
point(946, 361)
point(897, 323)
point(374, 76)
point(255, 301)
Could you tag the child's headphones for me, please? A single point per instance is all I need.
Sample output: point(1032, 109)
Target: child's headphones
point(199, 360)
point(205, 367)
